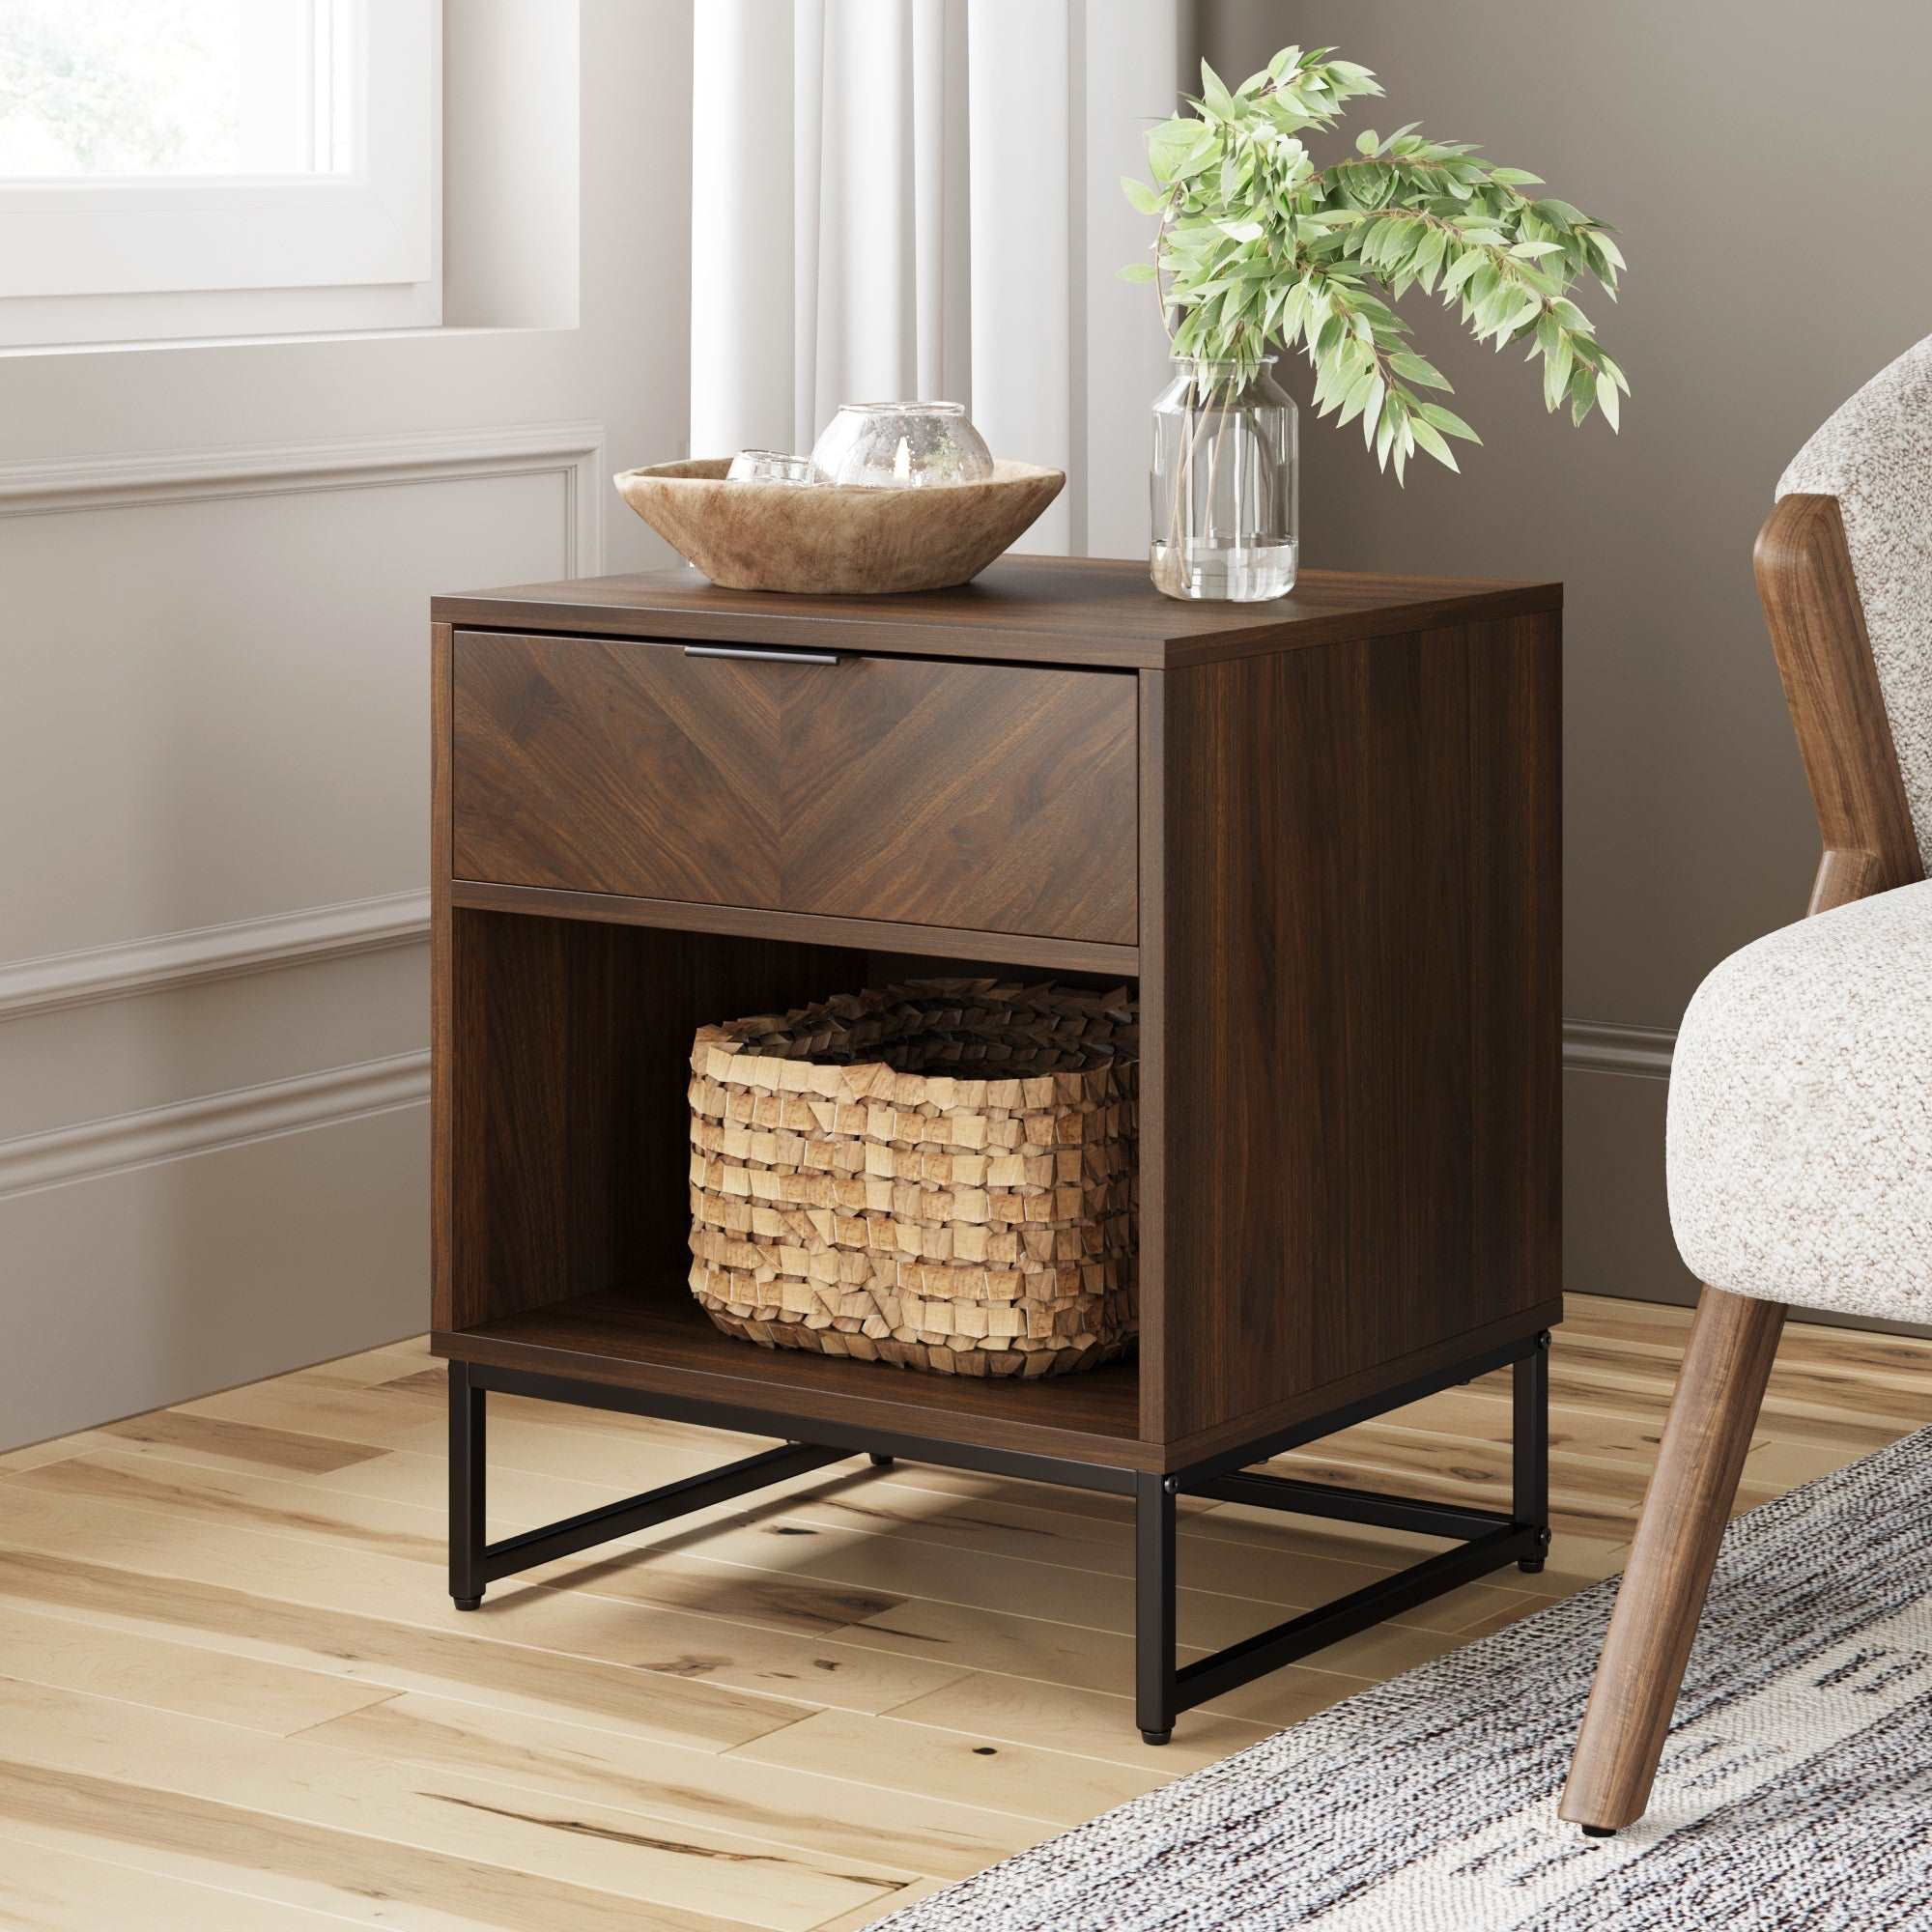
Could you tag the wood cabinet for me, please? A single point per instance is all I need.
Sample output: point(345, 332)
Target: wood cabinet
point(1319, 837)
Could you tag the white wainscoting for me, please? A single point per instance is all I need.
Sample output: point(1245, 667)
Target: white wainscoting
point(133, 966)
point(216, 767)
point(91, 1149)
point(573, 451)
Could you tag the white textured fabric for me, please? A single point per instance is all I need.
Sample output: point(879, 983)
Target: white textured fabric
point(1875, 456)
point(922, 198)
point(1799, 1143)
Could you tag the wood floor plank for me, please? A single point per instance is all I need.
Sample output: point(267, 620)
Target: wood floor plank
point(804, 1808)
point(1087, 1724)
point(386, 1656)
point(368, 1880)
point(902, 1567)
point(1277, 1570)
point(967, 1767)
point(704, 1652)
point(691, 1868)
point(866, 1916)
point(241, 1445)
point(36, 1454)
point(686, 1714)
point(673, 1579)
point(46, 1890)
point(196, 1682)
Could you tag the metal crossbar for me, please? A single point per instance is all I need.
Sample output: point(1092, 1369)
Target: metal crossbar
point(1486, 1540)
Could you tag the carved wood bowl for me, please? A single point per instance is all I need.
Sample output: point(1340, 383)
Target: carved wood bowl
point(829, 538)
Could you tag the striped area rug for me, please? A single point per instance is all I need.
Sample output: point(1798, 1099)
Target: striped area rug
point(1796, 1790)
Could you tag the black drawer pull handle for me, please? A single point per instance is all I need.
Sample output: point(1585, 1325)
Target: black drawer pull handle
point(763, 657)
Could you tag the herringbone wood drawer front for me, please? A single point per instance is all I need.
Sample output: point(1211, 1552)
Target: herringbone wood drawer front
point(996, 798)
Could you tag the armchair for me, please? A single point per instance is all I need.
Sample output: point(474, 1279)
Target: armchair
point(1800, 1136)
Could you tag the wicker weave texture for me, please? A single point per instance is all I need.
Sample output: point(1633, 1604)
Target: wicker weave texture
point(940, 1175)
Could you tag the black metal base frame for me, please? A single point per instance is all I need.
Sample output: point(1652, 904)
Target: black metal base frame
point(1485, 1540)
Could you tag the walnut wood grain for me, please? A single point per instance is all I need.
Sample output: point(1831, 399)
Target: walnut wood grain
point(569, 1042)
point(1339, 816)
point(443, 1045)
point(1817, 625)
point(1350, 1122)
point(1720, 1389)
point(980, 796)
point(926, 948)
point(1067, 610)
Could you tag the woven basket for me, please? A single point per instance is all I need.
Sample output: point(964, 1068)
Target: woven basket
point(940, 1175)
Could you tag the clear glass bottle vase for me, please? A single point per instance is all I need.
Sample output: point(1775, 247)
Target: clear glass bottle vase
point(1225, 486)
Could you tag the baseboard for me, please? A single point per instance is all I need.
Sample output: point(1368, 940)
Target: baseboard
point(156, 1283)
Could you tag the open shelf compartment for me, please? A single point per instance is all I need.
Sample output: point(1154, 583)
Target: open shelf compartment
point(563, 1251)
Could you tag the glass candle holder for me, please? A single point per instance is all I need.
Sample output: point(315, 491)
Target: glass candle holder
point(769, 465)
point(901, 445)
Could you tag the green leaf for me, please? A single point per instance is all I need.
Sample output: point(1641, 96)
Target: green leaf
point(1372, 410)
point(1556, 373)
point(1213, 93)
point(1428, 436)
point(1174, 144)
point(1446, 420)
point(1146, 199)
point(1137, 272)
point(1406, 362)
point(1606, 399)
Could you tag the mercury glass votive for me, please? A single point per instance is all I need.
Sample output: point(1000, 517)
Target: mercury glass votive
point(901, 445)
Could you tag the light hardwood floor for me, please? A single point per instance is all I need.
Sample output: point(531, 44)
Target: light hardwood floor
point(234, 1694)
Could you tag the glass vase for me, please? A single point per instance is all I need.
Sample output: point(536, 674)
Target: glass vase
point(1225, 489)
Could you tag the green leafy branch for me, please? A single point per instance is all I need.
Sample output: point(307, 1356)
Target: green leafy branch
point(1258, 248)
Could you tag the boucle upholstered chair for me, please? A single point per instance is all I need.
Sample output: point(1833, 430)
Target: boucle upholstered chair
point(1800, 1139)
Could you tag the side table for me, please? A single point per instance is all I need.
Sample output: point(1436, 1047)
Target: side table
point(1318, 836)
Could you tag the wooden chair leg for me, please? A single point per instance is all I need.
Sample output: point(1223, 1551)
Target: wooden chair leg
point(1720, 1389)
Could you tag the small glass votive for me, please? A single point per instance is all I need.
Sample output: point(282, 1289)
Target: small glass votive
point(768, 466)
point(901, 445)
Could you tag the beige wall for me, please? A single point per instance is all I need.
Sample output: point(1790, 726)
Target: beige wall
point(1767, 166)
point(215, 562)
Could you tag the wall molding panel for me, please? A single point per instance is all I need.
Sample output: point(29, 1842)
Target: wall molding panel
point(175, 960)
point(90, 1149)
point(572, 450)
point(1602, 1046)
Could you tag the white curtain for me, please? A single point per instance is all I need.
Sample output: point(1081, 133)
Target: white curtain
point(922, 198)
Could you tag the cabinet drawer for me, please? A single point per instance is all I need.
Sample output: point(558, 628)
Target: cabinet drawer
point(1000, 798)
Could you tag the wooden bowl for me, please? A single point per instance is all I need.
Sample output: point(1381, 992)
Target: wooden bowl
point(827, 537)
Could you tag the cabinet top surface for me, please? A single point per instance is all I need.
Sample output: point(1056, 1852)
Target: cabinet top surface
point(1040, 608)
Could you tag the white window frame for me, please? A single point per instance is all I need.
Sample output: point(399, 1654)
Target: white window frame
point(85, 262)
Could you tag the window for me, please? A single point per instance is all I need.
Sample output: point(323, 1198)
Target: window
point(173, 167)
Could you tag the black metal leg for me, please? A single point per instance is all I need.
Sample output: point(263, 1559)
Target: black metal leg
point(882, 1462)
point(466, 1488)
point(1529, 1498)
point(1154, 1608)
point(1487, 1540)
